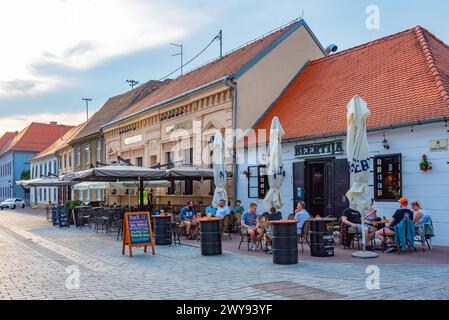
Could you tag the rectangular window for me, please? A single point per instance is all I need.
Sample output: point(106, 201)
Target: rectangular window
point(70, 159)
point(387, 177)
point(140, 161)
point(87, 150)
point(54, 167)
point(65, 161)
point(98, 194)
point(78, 157)
point(169, 161)
point(257, 182)
point(60, 162)
point(98, 151)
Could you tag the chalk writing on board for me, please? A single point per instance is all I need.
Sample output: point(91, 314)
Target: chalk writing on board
point(138, 229)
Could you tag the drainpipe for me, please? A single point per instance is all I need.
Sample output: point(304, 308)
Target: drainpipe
point(229, 82)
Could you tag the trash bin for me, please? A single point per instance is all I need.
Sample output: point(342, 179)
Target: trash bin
point(284, 242)
point(321, 238)
point(210, 236)
point(161, 230)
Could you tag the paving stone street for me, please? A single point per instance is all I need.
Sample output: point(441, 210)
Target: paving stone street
point(37, 261)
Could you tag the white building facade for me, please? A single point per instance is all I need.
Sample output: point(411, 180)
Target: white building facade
point(316, 172)
point(45, 166)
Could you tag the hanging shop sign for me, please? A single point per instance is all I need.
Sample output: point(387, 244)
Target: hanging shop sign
point(319, 149)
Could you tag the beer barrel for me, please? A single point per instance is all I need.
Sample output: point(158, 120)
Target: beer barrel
point(162, 234)
point(210, 236)
point(284, 242)
point(321, 239)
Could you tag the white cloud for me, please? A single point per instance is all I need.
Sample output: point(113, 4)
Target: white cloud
point(79, 34)
point(19, 122)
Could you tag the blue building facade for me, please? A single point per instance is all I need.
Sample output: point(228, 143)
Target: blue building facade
point(11, 166)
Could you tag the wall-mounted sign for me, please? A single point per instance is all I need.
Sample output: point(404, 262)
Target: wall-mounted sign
point(438, 145)
point(319, 149)
point(185, 126)
point(133, 139)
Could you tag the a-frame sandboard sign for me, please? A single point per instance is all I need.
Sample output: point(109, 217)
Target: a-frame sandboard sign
point(137, 231)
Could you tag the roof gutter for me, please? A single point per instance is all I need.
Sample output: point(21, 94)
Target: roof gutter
point(165, 102)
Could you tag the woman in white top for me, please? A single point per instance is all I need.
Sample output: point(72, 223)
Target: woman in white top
point(419, 215)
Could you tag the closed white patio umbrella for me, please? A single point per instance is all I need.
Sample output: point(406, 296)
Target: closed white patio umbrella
point(275, 166)
point(359, 195)
point(219, 167)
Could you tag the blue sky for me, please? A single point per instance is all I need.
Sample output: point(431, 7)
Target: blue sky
point(62, 50)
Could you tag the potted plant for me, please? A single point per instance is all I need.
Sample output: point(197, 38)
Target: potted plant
point(425, 165)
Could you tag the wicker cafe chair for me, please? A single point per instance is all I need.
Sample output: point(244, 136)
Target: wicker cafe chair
point(304, 236)
point(226, 225)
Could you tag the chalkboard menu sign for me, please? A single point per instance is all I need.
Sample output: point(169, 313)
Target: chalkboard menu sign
point(64, 217)
point(60, 216)
point(55, 216)
point(137, 231)
point(139, 228)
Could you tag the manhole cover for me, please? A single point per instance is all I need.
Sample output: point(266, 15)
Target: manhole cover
point(296, 291)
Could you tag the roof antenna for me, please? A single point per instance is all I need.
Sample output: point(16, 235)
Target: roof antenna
point(302, 14)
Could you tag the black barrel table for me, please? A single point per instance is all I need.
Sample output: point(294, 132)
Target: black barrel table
point(321, 237)
point(284, 242)
point(210, 236)
point(162, 229)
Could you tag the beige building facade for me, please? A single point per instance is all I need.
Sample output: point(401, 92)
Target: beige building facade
point(174, 127)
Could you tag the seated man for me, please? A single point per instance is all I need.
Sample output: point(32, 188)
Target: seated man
point(274, 215)
point(210, 211)
point(400, 214)
point(301, 215)
point(353, 219)
point(250, 226)
point(222, 209)
point(187, 218)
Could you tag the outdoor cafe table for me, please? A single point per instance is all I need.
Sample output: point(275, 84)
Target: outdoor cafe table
point(321, 237)
point(162, 228)
point(210, 236)
point(284, 241)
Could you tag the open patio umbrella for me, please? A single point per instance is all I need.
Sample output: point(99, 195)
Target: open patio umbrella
point(118, 173)
point(275, 166)
point(359, 195)
point(189, 173)
point(219, 167)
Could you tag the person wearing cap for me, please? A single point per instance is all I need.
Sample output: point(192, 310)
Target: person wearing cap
point(400, 214)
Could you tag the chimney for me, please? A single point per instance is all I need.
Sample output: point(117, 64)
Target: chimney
point(53, 123)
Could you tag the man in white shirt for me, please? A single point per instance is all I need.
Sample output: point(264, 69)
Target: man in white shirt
point(222, 209)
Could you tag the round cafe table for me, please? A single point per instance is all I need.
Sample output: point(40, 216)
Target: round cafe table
point(210, 235)
point(162, 235)
point(284, 241)
point(321, 237)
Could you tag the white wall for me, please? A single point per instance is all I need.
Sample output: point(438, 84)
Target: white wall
point(430, 188)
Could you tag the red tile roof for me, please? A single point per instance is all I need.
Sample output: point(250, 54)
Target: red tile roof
point(60, 142)
point(403, 78)
point(36, 137)
point(219, 68)
point(6, 138)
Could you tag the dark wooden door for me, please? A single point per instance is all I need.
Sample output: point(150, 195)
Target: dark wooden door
point(316, 187)
point(341, 186)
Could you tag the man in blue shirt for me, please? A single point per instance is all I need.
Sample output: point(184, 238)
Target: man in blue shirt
point(301, 215)
point(222, 209)
point(210, 211)
point(250, 226)
point(400, 214)
point(187, 218)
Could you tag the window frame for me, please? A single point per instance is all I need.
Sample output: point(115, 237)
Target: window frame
point(376, 181)
point(260, 195)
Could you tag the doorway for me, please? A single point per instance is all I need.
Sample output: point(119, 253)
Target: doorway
point(322, 184)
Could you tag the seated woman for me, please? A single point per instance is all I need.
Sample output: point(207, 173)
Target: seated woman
point(188, 219)
point(398, 216)
point(419, 216)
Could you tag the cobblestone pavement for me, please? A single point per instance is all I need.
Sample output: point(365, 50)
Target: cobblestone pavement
point(34, 258)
